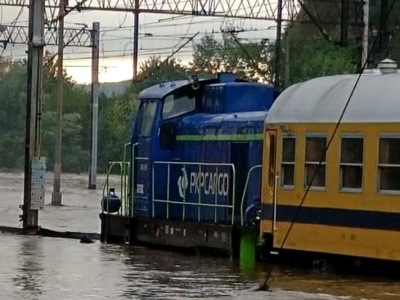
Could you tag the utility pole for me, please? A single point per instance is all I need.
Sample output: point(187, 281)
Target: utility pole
point(383, 29)
point(30, 214)
point(278, 49)
point(365, 35)
point(94, 105)
point(287, 60)
point(344, 28)
point(56, 196)
point(136, 41)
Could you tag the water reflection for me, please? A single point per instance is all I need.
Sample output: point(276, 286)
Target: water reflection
point(28, 278)
point(343, 285)
point(154, 274)
point(47, 269)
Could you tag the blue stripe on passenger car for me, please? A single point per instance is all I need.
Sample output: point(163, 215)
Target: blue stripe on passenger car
point(333, 217)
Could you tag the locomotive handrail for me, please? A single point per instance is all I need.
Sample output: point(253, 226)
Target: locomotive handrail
point(244, 192)
point(132, 170)
point(199, 204)
point(123, 165)
point(124, 198)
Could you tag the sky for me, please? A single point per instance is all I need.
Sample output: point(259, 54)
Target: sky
point(159, 35)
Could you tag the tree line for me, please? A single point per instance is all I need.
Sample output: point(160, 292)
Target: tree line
point(306, 53)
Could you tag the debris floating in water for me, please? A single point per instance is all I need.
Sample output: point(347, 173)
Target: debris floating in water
point(86, 240)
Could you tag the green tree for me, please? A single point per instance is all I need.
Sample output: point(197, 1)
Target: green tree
point(306, 57)
point(76, 121)
point(245, 59)
point(386, 44)
point(74, 155)
point(154, 71)
point(12, 113)
point(115, 118)
point(307, 53)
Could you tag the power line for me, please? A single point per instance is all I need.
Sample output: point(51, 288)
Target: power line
point(6, 41)
point(155, 24)
point(151, 50)
point(83, 5)
point(161, 52)
point(145, 51)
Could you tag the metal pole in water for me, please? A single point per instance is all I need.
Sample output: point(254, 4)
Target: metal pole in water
point(94, 105)
point(33, 108)
point(56, 196)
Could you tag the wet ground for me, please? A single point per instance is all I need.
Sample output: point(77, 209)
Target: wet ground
point(34, 267)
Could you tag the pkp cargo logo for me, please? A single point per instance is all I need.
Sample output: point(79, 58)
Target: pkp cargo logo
point(183, 183)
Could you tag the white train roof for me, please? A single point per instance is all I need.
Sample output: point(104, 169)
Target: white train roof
point(376, 99)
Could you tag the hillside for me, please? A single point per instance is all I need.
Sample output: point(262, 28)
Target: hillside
point(110, 88)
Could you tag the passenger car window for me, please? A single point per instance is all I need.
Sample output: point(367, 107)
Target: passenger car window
point(315, 152)
point(288, 161)
point(389, 164)
point(351, 162)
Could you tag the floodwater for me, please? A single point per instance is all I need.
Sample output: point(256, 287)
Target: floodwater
point(34, 267)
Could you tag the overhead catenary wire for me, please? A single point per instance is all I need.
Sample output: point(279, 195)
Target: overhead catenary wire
point(171, 38)
point(148, 51)
point(185, 36)
point(167, 36)
point(174, 21)
point(151, 26)
point(157, 24)
point(161, 51)
point(12, 31)
point(265, 285)
point(315, 22)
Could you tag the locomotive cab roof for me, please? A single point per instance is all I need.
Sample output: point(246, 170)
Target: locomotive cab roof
point(160, 90)
point(163, 89)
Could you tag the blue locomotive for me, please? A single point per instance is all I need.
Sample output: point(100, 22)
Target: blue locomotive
point(193, 170)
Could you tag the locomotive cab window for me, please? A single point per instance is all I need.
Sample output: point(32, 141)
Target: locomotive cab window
point(176, 105)
point(351, 163)
point(146, 117)
point(389, 164)
point(288, 161)
point(315, 152)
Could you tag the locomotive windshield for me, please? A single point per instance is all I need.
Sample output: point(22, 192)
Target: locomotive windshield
point(176, 105)
point(146, 116)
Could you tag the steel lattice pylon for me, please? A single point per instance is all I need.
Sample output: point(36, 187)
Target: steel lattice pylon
point(76, 37)
point(245, 9)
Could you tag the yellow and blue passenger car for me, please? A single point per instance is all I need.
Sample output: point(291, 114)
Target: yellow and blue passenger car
point(331, 167)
